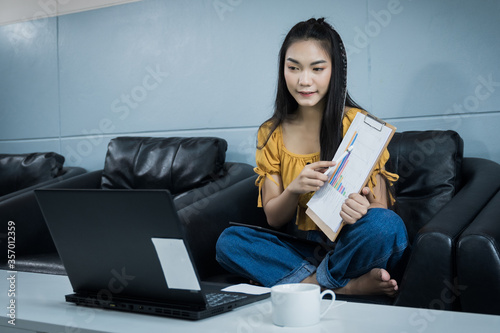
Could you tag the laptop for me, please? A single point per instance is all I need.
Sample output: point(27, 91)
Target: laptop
point(125, 250)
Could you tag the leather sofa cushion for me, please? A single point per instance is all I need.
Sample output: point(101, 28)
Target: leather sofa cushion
point(18, 171)
point(176, 164)
point(428, 164)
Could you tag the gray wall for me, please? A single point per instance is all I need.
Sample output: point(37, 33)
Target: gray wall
point(208, 68)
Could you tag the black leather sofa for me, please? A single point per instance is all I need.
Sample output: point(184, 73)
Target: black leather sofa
point(478, 261)
point(195, 172)
point(440, 194)
point(20, 175)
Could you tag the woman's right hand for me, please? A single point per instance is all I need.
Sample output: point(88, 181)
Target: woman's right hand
point(280, 205)
point(311, 178)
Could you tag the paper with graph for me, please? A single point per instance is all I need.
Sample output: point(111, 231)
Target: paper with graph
point(368, 137)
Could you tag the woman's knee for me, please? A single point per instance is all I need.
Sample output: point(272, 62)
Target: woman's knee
point(234, 239)
point(379, 224)
point(384, 219)
point(389, 225)
point(227, 239)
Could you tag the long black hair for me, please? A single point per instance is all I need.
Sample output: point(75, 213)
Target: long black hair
point(337, 97)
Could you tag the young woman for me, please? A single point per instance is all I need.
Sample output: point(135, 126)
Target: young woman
point(295, 146)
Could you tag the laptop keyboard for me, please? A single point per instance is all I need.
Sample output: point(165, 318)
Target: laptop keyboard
point(217, 299)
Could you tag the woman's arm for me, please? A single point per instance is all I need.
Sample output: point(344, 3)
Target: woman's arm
point(280, 205)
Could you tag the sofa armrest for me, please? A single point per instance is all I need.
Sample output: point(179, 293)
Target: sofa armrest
point(429, 280)
point(90, 180)
point(233, 173)
point(32, 234)
point(478, 261)
point(205, 220)
point(66, 173)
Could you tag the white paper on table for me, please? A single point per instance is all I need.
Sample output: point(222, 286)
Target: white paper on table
point(176, 264)
point(247, 289)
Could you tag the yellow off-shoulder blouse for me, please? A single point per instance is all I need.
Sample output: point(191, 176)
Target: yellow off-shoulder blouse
point(274, 158)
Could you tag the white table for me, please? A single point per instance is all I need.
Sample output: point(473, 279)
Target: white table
point(40, 307)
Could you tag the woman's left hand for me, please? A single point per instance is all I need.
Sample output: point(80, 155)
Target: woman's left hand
point(356, 206)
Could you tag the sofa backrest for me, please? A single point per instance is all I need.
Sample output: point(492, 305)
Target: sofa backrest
point(429, 166)
point(19, 171)
point(177, 164)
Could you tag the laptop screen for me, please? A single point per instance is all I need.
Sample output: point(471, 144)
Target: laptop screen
point(113, 242)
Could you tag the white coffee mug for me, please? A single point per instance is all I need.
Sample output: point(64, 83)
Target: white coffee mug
point(298, 304)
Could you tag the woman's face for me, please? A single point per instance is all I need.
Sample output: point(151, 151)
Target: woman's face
point(308, 69)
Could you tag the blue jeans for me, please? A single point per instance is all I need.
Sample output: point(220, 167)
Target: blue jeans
point(378, 240)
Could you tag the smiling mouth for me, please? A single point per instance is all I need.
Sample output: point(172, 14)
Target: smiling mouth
point(307, 93)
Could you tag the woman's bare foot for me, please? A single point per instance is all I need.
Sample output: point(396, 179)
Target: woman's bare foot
point(310, 279)
point(255, 283)
point(376, 282)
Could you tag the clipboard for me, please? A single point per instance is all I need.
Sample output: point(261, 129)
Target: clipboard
point(369, 137)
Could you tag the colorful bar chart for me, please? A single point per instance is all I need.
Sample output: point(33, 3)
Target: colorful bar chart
point(355, 158)
point(337, 178)
point(336, 181)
